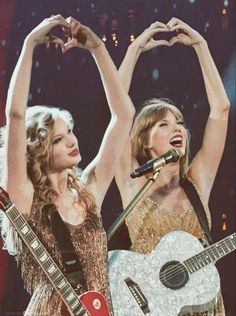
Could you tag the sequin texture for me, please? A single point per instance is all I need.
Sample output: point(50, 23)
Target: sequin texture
point(90, 243)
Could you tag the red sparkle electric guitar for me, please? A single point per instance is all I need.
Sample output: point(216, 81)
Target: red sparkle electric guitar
point(90, 303)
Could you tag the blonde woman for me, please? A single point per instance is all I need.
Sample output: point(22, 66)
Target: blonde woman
point(42, 155)
point(160, 127)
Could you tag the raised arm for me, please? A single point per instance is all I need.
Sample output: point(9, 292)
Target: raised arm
point(100, 172)
point(16, 181)
point(142, 43)
point(205, 164)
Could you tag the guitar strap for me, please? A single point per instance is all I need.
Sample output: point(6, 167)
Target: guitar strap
point(198, 207)
point(71, 263)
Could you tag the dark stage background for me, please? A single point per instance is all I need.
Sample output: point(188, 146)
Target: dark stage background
point(72, 81)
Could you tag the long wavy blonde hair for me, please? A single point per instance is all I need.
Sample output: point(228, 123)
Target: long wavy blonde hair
point(153, 111)
point(39, 126)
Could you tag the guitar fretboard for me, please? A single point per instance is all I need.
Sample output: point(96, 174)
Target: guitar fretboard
point(211, 254)
point(44, 259)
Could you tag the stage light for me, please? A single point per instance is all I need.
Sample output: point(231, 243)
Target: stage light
point(224, 11)
point(226, 3)
point(224, 218)
point(155, 74)
point(132, 38)
point(104, 38)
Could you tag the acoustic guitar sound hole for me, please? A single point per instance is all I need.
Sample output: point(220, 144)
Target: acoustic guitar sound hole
point(174, 275)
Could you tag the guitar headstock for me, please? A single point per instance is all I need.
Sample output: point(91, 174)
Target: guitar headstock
point(5, 201)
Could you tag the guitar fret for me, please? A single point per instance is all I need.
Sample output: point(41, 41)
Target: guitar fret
point(216, 248)
point(62, 283)
point(190, 265)
point(55, 275)
point(70, 297)
point(39, 251)
point(12, 213)
point(47, 264)
point(230, 244)
point(78, 310)
point(211, 254)
point(225, 247)
point(65, 291)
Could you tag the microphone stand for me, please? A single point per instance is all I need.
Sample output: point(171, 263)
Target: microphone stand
point(119, 221)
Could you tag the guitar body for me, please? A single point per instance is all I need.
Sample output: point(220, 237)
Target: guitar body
point(93, 301)
point(198, 294)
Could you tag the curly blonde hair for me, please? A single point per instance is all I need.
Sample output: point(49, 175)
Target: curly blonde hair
point(153, 111)
point(39, 125)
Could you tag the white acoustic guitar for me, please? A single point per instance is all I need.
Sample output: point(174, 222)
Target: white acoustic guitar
point(90, 303)
point(178, 277)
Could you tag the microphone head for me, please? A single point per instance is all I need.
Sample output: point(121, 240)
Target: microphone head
point(174, 155)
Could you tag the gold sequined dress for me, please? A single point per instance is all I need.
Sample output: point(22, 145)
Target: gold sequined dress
point(149, 222)
point(90, 243)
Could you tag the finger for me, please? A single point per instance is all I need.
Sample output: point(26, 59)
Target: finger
point(173, 41)
point(70, 44)
point(71, 20)
point(173, 22)
point(157, 24)
point(158, 30)
point(157, 43)
point(179, 28)
point(59, 22)
point(54, 40)
point(58, 19)
point(75, 28)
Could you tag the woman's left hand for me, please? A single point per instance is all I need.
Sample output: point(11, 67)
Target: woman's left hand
point(81, 36)
point(185, 34)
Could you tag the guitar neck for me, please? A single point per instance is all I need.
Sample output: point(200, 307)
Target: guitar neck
point(46, 262)
point(211, 254)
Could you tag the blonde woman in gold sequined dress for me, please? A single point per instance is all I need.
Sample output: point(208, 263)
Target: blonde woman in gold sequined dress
point(159, 127)
point(42, 153)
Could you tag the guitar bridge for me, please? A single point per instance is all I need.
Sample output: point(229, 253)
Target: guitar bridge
point(138, 295)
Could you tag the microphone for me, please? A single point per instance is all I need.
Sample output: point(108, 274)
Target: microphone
point(156, 164)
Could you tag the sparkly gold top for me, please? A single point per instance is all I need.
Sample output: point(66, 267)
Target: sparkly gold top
point(90, 243)
point(149, 222)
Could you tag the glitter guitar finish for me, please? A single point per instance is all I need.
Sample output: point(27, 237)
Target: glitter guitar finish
point(178, 277)
point(90, 303)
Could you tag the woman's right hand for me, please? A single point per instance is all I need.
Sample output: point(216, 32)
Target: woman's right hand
point(145, 40)
point(40, 34)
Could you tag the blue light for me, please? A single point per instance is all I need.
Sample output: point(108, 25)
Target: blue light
point(226, 3)
point(155, 74)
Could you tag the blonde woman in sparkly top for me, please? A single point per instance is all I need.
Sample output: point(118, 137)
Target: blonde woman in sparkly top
point(42, 154)
point(160, 127)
